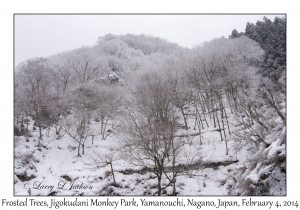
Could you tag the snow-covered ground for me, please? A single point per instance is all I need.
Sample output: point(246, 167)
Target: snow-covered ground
point(55, 168)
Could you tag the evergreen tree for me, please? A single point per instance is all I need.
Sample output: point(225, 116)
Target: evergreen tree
point(235, 34)
point(272, 38)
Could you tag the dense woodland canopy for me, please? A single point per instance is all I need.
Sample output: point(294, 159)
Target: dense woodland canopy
point(271, 36)
point(150, 90)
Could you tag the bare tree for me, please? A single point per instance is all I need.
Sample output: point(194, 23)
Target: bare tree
point(22, 108)
point(254, 107)
point(86, 64)
point(59, 129)
point(108, 101)
point(99, 160)
point(182, 94)
point(147, 145)
point(62, 73)
point(147, 133)
point(273, 92)
point(34, 80)
point(77, 127)
point(219, 69)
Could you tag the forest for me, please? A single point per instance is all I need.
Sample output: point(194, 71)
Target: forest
point(139, 115)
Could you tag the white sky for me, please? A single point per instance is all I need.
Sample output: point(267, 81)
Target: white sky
point(44, 35)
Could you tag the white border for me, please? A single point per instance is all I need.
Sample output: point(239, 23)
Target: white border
point(8, 8)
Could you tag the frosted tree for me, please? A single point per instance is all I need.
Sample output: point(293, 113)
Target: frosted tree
point(77, 127)
point(109, 101)
point(271, 36)
point(62, 70)
point(100, 101)
point(147, 133)
point(99, 160)
point(86, 64)
point(263, 133)
point(34, 79)
point(220, 68)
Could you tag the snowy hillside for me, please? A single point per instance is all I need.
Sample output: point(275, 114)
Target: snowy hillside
point(56, 163)
point(127, 118)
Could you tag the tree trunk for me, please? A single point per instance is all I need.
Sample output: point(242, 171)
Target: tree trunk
point(214, 118)
point(173, 167)
point(174, 187)
point(27, 131)
point(184, 118)
point(65, 87)
point(199, 117)
point(159, 174)
point(39, 139)
point(201, 100)
point(227, 121)
point(207, 105)
point(202, 108)
point(102, 124)
point(82, 149)
point(78, 149)
point(112, 172)
point(27, 123)
point(195, 121)
point(196, 113)
point(271, 101)
point(225, 137)
point(199, 128)
point(104, 128)
point(40, 131)
point(159, 185)
point(22, 120)
point(219, 126)
point(212, 108)
point(201, 120)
